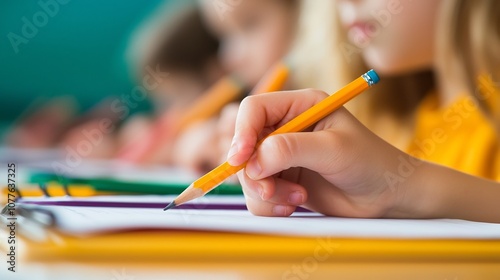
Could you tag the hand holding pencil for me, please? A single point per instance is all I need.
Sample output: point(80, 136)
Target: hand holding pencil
point(307, 118)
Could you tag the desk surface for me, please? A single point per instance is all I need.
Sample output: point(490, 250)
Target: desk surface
point(166, 246)
point(157, 255)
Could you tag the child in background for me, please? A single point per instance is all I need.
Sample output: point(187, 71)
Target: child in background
point(420, 106)
point(183, 48)
point(55, 124)
point(254, 35)
point(341, 168)
point(176, 42)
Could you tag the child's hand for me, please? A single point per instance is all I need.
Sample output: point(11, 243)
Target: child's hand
point(337, 168)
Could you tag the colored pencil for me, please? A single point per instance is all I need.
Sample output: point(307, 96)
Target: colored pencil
point(226, 90)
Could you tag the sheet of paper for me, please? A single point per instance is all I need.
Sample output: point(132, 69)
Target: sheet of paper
point(165, 199)
point(92, 220)
point(214, 202)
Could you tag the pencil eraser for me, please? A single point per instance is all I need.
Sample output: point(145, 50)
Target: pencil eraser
point(373, 76)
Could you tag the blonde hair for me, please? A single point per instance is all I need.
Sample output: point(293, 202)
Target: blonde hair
point(471, 30)
point(469, 50)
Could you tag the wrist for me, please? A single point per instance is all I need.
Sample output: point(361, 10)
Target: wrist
point(434, 191)
point(414, 195)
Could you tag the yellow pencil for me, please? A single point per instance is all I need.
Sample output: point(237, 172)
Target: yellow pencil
point(226, 90)
point(210, 103)
point(273, 80)
point(314, 114)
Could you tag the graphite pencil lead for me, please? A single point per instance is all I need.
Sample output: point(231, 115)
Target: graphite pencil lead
point(171, 205)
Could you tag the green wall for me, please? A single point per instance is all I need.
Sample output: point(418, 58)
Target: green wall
point(77, 50)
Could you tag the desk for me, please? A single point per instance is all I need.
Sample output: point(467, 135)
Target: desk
point(156, 255)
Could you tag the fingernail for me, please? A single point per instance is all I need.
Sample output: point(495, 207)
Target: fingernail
point(296, 198)
point(253, 168)
point(279, 210)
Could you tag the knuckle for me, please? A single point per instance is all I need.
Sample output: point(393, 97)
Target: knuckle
point(249, 101)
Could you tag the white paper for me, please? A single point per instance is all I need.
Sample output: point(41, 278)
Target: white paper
point(165, 199)
point(92, 220)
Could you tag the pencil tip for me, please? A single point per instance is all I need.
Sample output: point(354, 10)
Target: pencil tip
point(171, 205)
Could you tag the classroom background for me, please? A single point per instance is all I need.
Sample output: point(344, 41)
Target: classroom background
point(79, 50)
point(90, 206)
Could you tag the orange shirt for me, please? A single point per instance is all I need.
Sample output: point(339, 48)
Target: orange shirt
point(459, 136)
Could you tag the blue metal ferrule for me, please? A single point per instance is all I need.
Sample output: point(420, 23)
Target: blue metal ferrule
point(371, 77)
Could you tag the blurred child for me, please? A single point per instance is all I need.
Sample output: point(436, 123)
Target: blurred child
point(185, 49)
point(429, 103)
point(254, 35)
point(341, 168)
point(175, 60)
point(55, 124)
point(182, 48)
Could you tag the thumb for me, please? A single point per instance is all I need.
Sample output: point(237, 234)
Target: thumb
point(318, 151)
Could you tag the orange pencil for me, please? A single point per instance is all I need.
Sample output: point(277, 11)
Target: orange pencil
point(219, 96)
point(273, 80)
point(210, 103)
point(215, 177)
point(223, 92)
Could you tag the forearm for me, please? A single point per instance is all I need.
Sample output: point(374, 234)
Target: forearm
point(438, 192)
